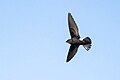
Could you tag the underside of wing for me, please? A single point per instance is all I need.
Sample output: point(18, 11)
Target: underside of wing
point(72, 51)
point(73, 27)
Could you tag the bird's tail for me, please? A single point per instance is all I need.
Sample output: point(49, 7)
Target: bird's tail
point(88, 42)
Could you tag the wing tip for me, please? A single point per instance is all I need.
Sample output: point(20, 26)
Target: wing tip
point(69, 14)
point(67, 60)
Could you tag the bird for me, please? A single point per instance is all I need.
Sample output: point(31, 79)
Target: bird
point(75, 40)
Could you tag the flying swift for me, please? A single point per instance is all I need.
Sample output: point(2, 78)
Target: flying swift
point(75, 40)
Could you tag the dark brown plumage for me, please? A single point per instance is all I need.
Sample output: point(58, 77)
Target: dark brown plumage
point(75, 41)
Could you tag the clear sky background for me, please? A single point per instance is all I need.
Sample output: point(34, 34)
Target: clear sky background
point(33, 35)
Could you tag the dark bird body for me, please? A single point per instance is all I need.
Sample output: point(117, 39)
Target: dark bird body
point(75, 39)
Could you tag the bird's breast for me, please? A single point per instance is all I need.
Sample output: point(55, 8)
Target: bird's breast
point(77, 41)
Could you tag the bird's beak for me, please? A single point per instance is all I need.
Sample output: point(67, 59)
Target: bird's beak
point(67, 41)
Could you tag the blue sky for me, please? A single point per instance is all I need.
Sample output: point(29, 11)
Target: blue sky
point(33, 35)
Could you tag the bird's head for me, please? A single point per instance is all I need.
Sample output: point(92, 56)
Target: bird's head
point(69, 41)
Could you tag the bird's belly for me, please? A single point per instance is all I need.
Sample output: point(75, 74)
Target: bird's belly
point(77, 42)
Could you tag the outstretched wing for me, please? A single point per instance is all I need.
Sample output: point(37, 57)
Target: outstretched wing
point(72, 27)
point(72, 51)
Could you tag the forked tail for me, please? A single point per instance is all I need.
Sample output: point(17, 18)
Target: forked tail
point(88, 42)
